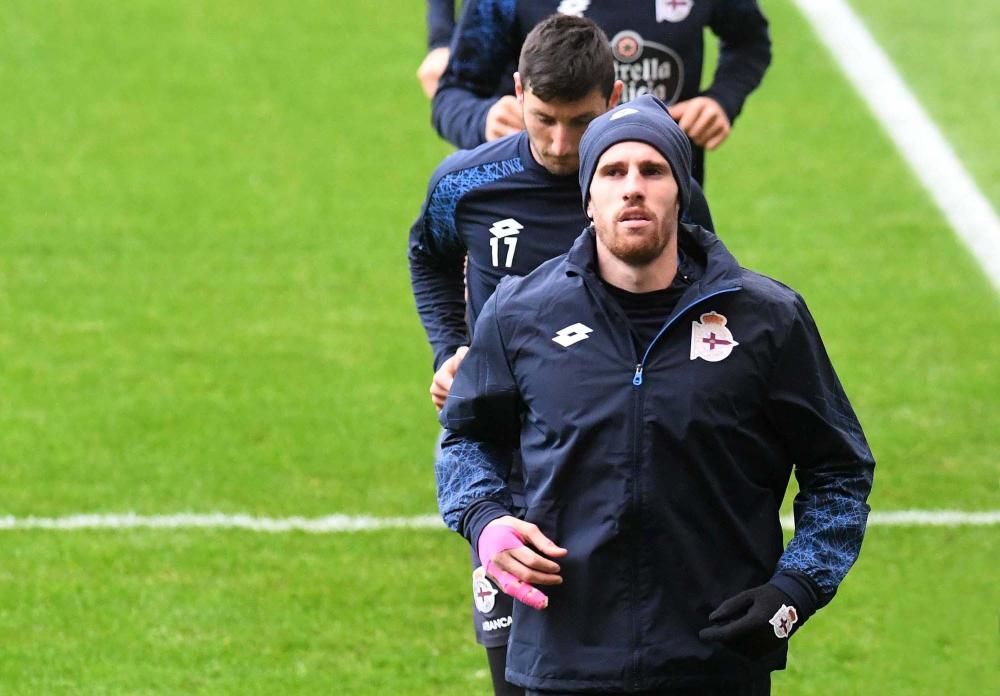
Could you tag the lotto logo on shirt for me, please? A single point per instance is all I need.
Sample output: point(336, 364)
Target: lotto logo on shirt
point(646, 67)
point(573, 7)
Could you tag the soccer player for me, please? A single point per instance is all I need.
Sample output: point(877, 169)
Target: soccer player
point(660, 396)
point(508, 206)
point(658, 47)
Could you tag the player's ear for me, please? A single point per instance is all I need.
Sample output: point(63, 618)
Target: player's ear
point(590, 209)
point(616, 94)
point(518, 88)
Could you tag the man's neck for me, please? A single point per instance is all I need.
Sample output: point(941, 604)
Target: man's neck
point(534, 154)
point(656, 275)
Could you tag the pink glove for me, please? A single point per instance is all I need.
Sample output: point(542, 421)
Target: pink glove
point(495, 539)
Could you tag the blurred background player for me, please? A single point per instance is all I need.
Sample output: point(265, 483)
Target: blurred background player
point(440, 25)
point(440, 29)
point(658, 47)
point(508, 206)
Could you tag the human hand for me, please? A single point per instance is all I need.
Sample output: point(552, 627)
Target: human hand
point(445, 375)
point(504, 118)
point(704, 121)
point(432, 68)
point(514, 565)
point(755, 622)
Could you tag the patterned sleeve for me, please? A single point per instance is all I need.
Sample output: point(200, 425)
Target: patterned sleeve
point(436, 259)
point(482, 49)
point(482, 425)
point(469, 471)
point(833, 463)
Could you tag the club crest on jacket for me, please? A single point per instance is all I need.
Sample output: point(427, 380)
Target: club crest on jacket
point(710, 339)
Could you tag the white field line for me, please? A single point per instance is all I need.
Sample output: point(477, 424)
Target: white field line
point(335, 524)
point(216, 520)
point(918, 139)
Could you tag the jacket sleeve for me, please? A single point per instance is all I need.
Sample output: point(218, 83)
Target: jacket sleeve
point(437, 276)
point(440, 22)
point(744, 52)
point(482, 426)
point(833, 464)
point(481, 49)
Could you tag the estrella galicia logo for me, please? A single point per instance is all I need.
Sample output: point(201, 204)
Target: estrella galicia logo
point(646, 67)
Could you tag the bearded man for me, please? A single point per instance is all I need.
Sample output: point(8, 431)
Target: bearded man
point(660, 397)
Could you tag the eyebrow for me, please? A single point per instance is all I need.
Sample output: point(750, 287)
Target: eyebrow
point(643, 163)
point(589, 116)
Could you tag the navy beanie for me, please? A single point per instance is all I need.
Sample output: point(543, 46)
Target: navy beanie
point(644, 119)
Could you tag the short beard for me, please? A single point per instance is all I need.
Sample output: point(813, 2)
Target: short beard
point(558, 167)
point(638, 252)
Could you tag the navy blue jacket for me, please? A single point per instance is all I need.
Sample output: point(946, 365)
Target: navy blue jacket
point(661, 472)
point(507, 214)
point(658, 50)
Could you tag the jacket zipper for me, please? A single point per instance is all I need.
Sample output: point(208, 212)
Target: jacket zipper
point(636, 532)
point(637, 377)
point(636, 477)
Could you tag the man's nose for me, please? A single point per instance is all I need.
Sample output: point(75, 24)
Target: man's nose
point(562, 143)
point(634, 185)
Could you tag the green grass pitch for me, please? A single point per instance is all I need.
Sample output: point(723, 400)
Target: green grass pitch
point(204, 306)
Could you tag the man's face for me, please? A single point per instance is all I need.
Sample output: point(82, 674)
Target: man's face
point(634, 202)
point(555, 128)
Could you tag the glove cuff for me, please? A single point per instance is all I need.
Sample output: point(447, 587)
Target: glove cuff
point(800, 590)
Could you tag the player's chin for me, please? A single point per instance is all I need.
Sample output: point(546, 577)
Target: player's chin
point(637, 249)
point(562, 166)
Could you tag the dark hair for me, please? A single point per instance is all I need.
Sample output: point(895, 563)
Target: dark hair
point(564, 58)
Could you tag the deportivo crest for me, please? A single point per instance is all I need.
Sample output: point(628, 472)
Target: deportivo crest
point(483, 592)
point(673, 10)
point(783, 620)
point(710, 339)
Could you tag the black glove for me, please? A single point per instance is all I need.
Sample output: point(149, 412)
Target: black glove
point(755, 622)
